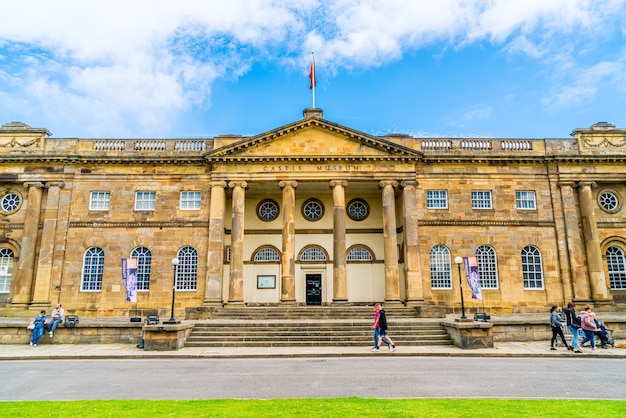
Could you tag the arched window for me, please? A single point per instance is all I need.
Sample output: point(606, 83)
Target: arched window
point(266, 255)
point(532, 268)
point(359, 253)
point(487, 267)
point(6, 269)
point(440, 270)
point(313, 254)
point(93, 268)
point(144, 260)
point(187, 269)
point(617, 267)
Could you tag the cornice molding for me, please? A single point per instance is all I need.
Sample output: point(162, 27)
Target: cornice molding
point(133, 224)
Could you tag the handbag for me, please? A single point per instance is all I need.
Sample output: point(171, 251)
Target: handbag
point(30, 326)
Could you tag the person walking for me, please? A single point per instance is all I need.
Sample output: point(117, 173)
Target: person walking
point(37, 325)
point(557, 327)
point(57, 317)
point(589, 327)
point(573, 324)
point(377, 308)
point(382, 329)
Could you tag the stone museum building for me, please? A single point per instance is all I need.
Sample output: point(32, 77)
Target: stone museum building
point(311, 213)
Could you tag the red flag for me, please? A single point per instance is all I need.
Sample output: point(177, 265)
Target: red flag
point(312, 74)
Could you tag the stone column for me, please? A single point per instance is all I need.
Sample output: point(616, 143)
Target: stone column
point(580, 284)
point(235, 290)
point(597, 279)
point(23, 287)
point(288, 262)
point(215, 255)
point(412, 269)
point(340, 287)
point(43, 279)
point(392, 285)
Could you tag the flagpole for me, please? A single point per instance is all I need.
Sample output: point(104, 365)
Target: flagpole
point(313, 77)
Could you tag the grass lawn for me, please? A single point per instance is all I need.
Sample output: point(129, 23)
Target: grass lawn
point(346, 407)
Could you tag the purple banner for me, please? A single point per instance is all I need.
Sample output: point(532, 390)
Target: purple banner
point(129, 277)
point(473, 278)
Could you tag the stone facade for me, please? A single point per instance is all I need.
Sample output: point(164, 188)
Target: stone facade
point(311, 213)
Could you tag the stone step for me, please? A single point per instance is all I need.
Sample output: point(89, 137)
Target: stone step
point(316, 333)
point(309, 327)
point(329, 343)
point(298, 312)
point(225, 334)
point(251, 338)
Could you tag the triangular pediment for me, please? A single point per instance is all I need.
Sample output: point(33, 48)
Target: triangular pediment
point(311, 138)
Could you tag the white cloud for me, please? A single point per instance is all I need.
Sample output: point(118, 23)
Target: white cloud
point(134, 66)
point(586, 82)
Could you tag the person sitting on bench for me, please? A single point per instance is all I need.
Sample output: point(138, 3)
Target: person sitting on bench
point(56, 318)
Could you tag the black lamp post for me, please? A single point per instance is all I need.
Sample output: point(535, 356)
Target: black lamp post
point(173, 320)
point(458, 261)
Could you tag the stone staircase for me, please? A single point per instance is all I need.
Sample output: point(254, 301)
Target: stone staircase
point(311, 326)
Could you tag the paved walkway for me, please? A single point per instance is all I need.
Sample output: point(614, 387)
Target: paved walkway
point(127, 351)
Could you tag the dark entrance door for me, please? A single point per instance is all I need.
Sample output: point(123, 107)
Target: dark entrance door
point(313, 289)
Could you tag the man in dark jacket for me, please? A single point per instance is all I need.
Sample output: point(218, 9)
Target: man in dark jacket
point(382, 329)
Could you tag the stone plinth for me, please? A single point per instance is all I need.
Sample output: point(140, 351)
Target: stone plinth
point(166, 337)
point(470, 334)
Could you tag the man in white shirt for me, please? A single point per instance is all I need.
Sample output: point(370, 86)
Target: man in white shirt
point(55, 319)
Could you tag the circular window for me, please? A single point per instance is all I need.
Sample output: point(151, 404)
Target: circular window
point(358, 209)
point(313, 210)
point(267, 210)
point(609, 201)
point(11, 202)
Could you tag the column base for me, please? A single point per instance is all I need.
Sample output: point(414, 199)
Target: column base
point(235, 302)
point(213, 302)
point(18, 305)
point(602, 301)
point(340, 302)
point(40, 304)
point(288, 302)
point(415, 302)
point(393, 302)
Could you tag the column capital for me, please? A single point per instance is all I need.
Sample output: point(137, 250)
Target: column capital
point(562, 184)
point(409, 183)
point(218, 183)
point(36, 184)
point(58, 184)
point(384, 183)
point(291, 183)
point(238, 183)
point(342, 183)
point(586, 184)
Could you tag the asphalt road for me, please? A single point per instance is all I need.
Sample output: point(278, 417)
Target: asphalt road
point(400, 377)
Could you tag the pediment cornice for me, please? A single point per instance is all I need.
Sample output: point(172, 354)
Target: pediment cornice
point(238, 151)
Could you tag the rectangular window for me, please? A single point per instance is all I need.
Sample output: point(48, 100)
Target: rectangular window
point(100, 201)
point(145, 200)
point(481, 199)
point(437, 199)
point(190, 200)
point(525, 200)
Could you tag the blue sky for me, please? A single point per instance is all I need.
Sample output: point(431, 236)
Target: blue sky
point(151, 68)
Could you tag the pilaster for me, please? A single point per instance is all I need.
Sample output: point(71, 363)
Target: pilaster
point(412, 269)
point(392, 285)
point(23, 286)
point(597, 279)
